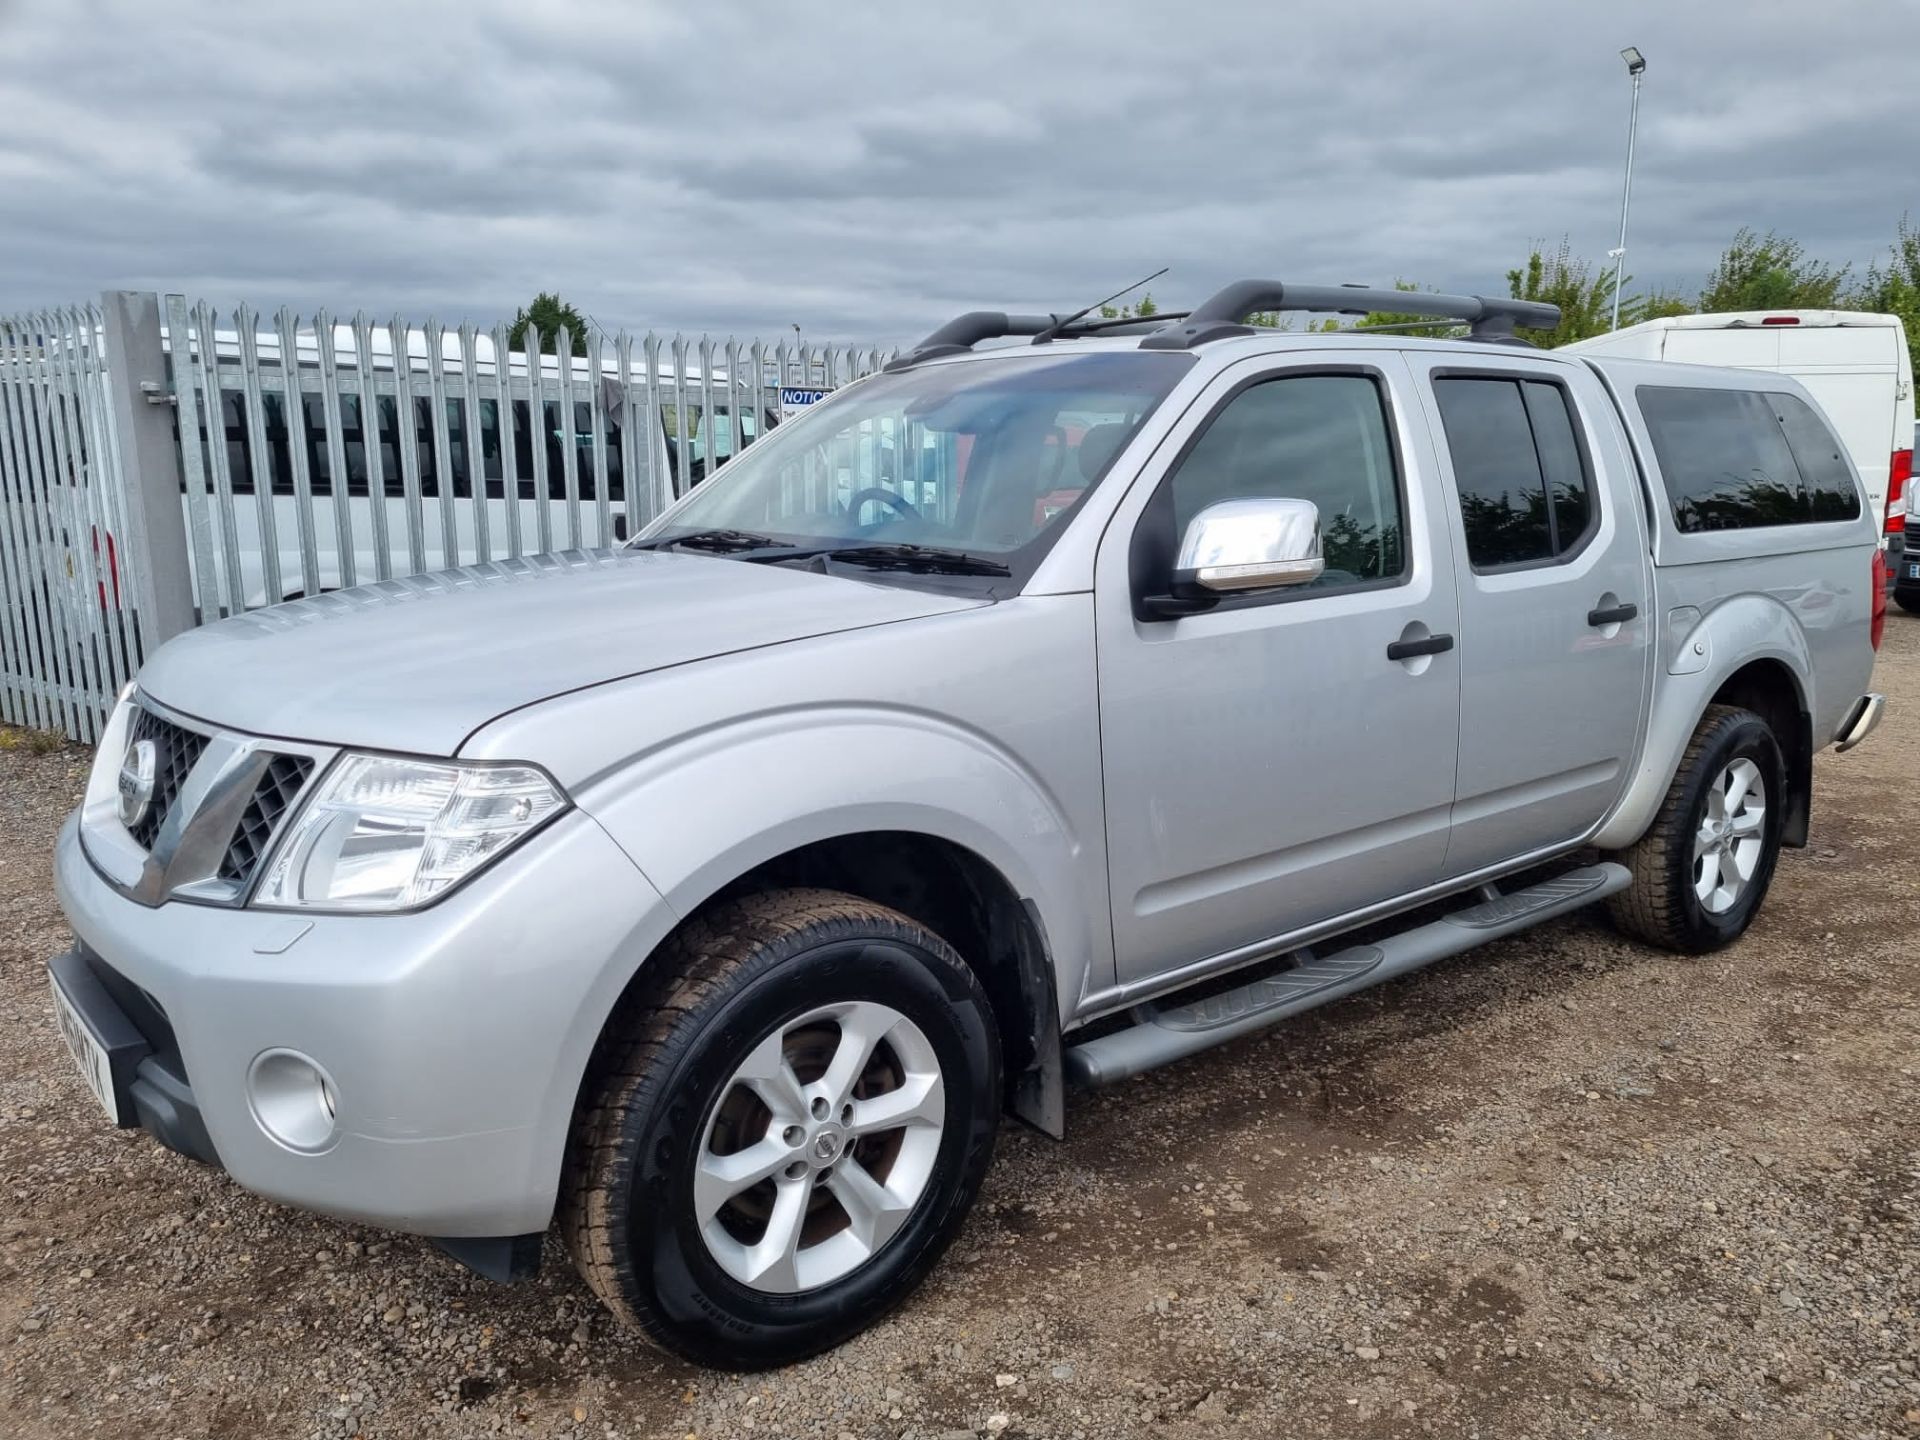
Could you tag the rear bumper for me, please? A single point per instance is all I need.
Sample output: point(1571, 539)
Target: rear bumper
point(1861, 719)
point(454, 1037)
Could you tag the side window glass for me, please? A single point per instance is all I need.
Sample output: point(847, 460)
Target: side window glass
point(1570, 510)
point(1723, 458)
point(1322, 438)
point(1525, 495)
point(1831, 493)
point(319, 460)
point(1503, 497)
point(233, 422)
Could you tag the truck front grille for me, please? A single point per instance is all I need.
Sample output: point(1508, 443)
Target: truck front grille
point(282, 780)
point(176, 751)
point(220, 799)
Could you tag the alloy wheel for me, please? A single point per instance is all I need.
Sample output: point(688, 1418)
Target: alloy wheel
point(1731, 837)
point(822, 1143)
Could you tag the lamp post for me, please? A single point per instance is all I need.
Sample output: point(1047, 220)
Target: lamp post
point(1636, 67)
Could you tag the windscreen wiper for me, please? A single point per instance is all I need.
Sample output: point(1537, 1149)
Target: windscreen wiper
point(723, 541)
point(918, 559)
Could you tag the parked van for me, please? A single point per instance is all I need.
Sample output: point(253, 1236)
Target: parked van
point(1856, 365)
point(302, 516)
point(1906, 567)
point(552, 508)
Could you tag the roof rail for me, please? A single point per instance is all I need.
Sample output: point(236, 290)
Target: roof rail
point(1221, 314)
point(963, 332)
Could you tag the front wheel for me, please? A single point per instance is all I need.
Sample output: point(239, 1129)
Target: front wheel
point(779, 1147)
point(1703, 867)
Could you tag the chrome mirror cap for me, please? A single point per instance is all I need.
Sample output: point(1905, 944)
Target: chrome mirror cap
point(1252, 544)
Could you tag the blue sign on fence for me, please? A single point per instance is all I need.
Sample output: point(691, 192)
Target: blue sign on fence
point(793, 397)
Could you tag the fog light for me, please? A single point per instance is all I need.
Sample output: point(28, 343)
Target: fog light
point(293, 1099)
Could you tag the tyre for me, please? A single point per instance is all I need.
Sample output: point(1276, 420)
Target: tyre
point(777, 1144)
point(1703, 867)
point(1909, 601)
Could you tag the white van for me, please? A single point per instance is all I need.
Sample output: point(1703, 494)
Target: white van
point(696, 432)
point(1857, 366)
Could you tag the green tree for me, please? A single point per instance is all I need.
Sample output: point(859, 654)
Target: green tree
point(1372, 320)
point(1560, 278)
point(1895, 290)
point(1404, 324)
point(548, 313)
point(1771, 272)
point(1269, 320)
point(1655, 305)
point(1142, 309)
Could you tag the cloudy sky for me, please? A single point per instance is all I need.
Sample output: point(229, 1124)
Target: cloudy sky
point(866, 169)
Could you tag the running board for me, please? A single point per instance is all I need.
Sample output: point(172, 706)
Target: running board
point(1168, 1032)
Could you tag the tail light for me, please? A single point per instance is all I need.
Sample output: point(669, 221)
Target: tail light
point(1781, 320)
point(1897, 478)
point(1877, 624)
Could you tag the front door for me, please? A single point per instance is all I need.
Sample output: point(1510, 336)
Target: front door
point(1267, 765)
point(1554, 601)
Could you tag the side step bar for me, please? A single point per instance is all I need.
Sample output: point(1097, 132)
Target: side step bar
point(1168, 1032)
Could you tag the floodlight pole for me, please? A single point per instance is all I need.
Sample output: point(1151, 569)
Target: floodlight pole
point(1636, 67)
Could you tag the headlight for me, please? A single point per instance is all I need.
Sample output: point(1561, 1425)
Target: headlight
point(383, 833)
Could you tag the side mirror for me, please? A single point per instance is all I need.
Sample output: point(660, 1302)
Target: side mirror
point(1252, 544)
point(1237, 545)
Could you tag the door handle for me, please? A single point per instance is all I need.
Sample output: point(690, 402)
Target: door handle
point(1617, 615)
point(1410, 649)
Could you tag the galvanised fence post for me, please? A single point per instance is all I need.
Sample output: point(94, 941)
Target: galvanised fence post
point(155, 542)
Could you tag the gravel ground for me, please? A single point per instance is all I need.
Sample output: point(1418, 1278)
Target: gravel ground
point(1563, 1186)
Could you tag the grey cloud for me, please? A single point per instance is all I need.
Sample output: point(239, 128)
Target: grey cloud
point(866, 168)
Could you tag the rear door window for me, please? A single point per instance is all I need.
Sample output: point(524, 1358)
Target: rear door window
point(1525, 495)
point(1744, 459)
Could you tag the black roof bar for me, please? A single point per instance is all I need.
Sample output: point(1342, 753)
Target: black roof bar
point(1221, 314)
point(963, 332)
point(1118, 325)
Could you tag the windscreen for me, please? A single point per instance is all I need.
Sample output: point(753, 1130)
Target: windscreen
point(984, 456)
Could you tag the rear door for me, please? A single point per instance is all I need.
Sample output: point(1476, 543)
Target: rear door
point(1554, 582)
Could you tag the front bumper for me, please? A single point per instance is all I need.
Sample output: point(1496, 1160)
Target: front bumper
point(143, 1061)
point(455, 1036)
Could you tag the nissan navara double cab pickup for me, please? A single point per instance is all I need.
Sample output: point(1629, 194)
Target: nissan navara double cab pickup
point(1023, 715)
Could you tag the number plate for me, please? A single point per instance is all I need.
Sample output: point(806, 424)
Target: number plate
point(88, 1053)
point(1913, 571)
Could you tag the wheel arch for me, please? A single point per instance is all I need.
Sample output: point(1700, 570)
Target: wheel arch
point(966, 900)
point(1773, 692)
point(952, 890)
point(1749, 652)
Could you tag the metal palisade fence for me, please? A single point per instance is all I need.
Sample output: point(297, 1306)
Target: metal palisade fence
point(163, 464)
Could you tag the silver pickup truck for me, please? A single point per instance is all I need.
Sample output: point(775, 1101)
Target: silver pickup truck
point(1021, 716)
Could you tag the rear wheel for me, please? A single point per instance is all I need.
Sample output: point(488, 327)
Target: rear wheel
point(778, 1149)
point(1704, 865)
